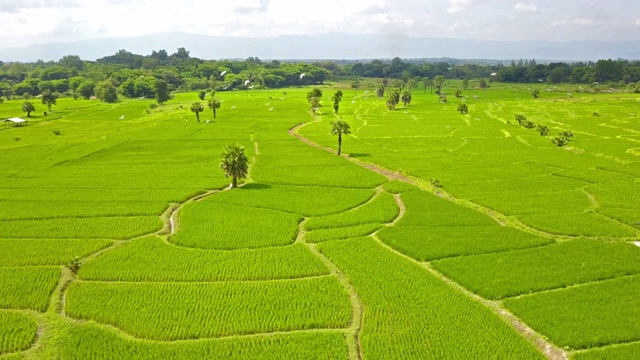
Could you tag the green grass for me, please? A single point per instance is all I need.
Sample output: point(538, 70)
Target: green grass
point(17, 332)
point(303, 200)
point(398, 187)
point(338, 233)
point(27, 287)
point(91, 342)
point(82, 228)
point(21, 252)
point(585, 316)
point(431, 243)
point(381, 209)
point(151, 259)
point(211, 225)
point(201, 310)
point(500, 275)
point(411, 314)
point(616, 352)
point(106, 178)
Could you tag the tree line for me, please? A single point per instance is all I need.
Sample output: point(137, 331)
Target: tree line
point(131, 75)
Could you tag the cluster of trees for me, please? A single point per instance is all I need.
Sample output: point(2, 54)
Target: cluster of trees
point(157, 74)
point(580, 73)
point(562, 139)
point(152, 76)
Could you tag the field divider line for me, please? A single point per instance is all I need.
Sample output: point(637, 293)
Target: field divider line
point(182, 282)
point(402, 210)
point(40, 331)
point(353, 332)
point(570, 286)
point(127, 336)
point(357, 308)
point(536, 339)
point(604, 347)
point(500, 218)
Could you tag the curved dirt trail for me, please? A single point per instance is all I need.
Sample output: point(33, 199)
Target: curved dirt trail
point(548, 349)
point(422, 184)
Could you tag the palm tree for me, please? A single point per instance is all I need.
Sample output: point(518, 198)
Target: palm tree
point(234, 163)
point(197, 108)
point(214, 103)
point(28, 107)
point(406, 97)
point(338, 128)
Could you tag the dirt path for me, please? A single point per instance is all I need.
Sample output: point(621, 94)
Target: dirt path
point(548, 349)
point(357, 309)
point(422, 184)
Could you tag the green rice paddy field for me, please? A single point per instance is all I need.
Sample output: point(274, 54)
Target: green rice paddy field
point(437, 236)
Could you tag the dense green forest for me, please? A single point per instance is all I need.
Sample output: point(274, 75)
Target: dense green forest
point(133, 75)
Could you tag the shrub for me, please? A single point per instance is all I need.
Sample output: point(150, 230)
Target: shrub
point(463, 108)
point(543, 130)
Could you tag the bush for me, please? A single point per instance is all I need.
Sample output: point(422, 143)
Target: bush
point(560, 141)
point(463, 108)
point(543, 130)
point(524, 122)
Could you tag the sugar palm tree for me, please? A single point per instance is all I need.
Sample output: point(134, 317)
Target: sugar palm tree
point(214, 103)
point(338, 128)
point(197, 108)
point(234, 163)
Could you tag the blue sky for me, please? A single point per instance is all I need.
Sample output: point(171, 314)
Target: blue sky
point(37, 21)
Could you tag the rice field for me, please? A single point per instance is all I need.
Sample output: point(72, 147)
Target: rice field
point(121, 239)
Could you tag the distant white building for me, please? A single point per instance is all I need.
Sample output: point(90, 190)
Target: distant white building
point(15, 121)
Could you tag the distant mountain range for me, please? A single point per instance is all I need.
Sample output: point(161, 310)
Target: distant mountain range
point(327, 46)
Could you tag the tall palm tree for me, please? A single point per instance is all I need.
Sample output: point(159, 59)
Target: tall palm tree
point(338, 128)
point(214, 103)
point(197, 108)
point(234, 163)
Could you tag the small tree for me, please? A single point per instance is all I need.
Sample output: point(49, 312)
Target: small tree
point(535, 93)
point(439, 83)
point(463, 108)
point(162, 91)
point(380, 91)
point(49, 98)
point(234, 163)
point(197, 108)
point(28, 107)
point(315, 93)
point(457, 93)
point(563, 138)
point(465, 84)
point(406, 97)
point(393, 98)
point(214, 103)
point(483, 84)
point(338, 128)
point(106, 92)
point(337, 96)
point(202, 94)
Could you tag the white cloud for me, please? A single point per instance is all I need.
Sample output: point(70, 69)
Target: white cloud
point(456, 6)
point(584, 22)
point(637, 22)
point(525, 8)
